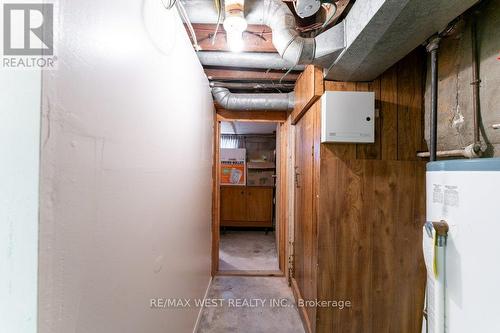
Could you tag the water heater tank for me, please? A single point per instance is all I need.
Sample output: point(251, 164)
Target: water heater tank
point(466, 195)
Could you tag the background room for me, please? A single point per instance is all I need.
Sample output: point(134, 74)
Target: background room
point(248, 171)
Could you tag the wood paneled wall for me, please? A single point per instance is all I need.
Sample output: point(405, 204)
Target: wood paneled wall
point(371, 214)
point(369, 208)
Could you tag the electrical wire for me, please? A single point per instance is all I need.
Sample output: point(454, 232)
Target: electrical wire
point(185, 18)
point(287, 72)
point(330, 17)
point(168, 4)
point(218, 6)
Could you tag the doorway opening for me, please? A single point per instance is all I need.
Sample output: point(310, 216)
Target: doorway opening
point(247, 231)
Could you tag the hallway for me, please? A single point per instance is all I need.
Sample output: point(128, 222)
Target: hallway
point(248, 250)
point(249, 166)
point(260, 316)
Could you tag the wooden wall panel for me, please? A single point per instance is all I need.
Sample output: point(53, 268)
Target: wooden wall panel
point(369, 208)
point(410, 105)
point(308, 89)
point(344, 261)
point(369, 245)
point(371, 151)
point(389, 114)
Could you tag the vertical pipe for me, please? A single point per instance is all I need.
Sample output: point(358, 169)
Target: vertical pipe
point(432, 48)
point(475, 83)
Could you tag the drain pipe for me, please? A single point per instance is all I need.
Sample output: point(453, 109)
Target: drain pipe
point(467, 152)
point(253, 102)
point(432, 48)
point(476, 81)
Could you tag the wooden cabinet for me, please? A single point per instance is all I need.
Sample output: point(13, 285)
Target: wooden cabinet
point(233, 203)
point(246, 206)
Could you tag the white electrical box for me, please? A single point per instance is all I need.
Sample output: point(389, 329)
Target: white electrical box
point(348, 116)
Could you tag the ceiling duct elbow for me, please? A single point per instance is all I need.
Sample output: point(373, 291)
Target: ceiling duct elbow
point(286, 39)
point(293, 47)
point(252, 102)
point(331, 42)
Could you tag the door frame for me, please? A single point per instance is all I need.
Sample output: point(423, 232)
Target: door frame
point(220, 115)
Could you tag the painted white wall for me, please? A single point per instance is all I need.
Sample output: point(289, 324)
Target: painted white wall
point(19, 156)
point(125, 171)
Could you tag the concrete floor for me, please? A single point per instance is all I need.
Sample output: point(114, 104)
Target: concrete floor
point(248, 250)
point(264, 318)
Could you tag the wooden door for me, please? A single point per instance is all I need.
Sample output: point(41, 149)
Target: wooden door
point(304, 230)
point(278, 205)
point(233, 204)
point(259, 204)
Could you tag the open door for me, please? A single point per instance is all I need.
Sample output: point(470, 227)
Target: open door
point(252, 207)
point(304, 274)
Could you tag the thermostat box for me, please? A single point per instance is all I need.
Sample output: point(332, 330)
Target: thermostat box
point(348, 116)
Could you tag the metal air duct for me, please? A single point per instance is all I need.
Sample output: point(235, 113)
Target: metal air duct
point(253, 102)
point(246, 60)
point(288, 42)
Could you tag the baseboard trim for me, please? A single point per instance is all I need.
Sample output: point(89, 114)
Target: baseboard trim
point(198, 318)
point(302, 311)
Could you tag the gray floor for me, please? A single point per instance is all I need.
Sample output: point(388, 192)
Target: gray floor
point(248, 250)
point(261, 319)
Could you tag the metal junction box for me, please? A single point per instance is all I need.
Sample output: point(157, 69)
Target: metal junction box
point(348, 116)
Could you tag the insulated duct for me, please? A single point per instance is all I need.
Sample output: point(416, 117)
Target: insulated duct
point(246, 60)
point(288, 42)
point(374, 35)
point(253, 102)
point(294, 49)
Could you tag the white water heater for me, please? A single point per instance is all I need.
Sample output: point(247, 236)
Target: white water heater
point(348, 116)
point(465, 295)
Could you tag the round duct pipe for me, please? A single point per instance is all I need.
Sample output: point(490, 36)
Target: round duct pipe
point(253, 102)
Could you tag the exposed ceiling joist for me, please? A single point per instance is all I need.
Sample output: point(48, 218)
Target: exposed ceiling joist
point(273, 86)
point(257, 38)
point(223, 74)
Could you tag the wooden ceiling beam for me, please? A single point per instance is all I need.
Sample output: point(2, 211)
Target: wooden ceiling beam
point(257, 38)
point(222, 74)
